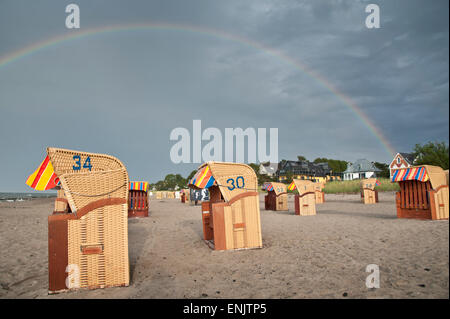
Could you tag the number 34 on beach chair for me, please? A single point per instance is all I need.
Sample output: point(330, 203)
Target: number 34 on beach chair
point(88, 244)
point(231, 217)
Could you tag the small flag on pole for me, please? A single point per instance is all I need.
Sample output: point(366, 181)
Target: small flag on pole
point(292, 186)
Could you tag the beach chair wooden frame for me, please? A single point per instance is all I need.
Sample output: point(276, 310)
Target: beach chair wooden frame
point(61, 203)
point(369, 195)
point(305, 200)
point(423, 193)
point(88, 247)
point(231, 218)
point(277, 197)
point(138, 200)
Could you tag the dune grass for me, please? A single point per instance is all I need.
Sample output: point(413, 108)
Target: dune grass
point(351, 187)
point(338, 187)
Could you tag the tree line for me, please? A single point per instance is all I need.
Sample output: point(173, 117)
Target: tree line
point(432, 153)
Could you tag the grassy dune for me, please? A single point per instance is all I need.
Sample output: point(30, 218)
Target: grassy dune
point(351, 187)
point(354, 186)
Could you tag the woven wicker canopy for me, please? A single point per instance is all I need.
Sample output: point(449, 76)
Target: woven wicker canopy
point(231, 178)
point(278, 188)
point(303, 186)
point(318, 186)
point(369, 183)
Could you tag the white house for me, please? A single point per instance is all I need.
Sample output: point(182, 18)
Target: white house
point(269, 169)
point(401, 160)
point(360, 169)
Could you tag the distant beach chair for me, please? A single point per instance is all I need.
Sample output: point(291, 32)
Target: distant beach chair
point(277, 197)
point(88, 247)
point(305, 200)
point(369, 195)
point(187, 194)
point(184, 195)
point(319, 193)
point(231, 217)
point(138, 199)
point(423, 192)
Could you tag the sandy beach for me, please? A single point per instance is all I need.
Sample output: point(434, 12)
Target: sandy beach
point(322, 256)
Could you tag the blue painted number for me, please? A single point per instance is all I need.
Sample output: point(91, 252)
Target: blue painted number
point(238, 183)
point(87, 163)
point(77, 166)
point(77, 159)
point(232, 184)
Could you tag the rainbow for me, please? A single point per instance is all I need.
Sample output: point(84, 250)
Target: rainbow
point(72, 35)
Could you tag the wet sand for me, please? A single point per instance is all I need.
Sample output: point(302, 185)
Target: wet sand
point(322, 256)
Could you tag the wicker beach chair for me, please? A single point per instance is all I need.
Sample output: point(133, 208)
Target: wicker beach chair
point(138, 199)
point(91, 242)
point(369, 195)
point(423, 192)
point(231, 217)
point(320, 194)
point(276, 198)
point(305, 200)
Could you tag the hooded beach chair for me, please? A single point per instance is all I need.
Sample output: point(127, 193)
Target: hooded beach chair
point(231, 217)
point(138, 199)
point(369, 195)
point(88, 246)
point(305, 200)
point(277, 197)
point(319, 193)
point(184, 195)
point(423, 192)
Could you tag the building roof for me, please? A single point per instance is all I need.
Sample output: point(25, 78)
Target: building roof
point(304, 167)
point(409, 157)
point(270, 167)
point(361, 165)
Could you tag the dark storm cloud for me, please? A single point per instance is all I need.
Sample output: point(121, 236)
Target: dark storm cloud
point(122, 93)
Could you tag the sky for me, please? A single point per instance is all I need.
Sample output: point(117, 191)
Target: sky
point(333, 87)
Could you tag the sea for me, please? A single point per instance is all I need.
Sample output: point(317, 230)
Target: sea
point(20, 197)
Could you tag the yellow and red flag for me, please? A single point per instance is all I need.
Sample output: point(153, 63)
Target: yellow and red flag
point(44, 177)
point(292, 186)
